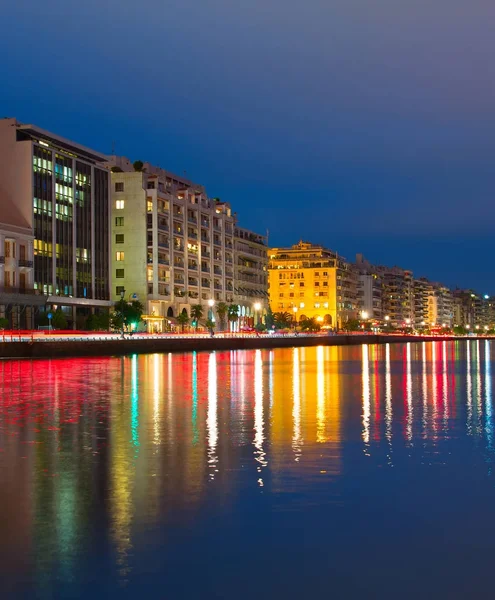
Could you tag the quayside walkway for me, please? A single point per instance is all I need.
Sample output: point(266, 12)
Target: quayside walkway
point(69, 344)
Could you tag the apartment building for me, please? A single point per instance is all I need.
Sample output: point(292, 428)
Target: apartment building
point(173, 247)
point(440, 306)
point(54, 205)
point(250, 275)
point(311, 281)
point(369, 289)
point(397, 295)
point(422, 305)
point(468, 309)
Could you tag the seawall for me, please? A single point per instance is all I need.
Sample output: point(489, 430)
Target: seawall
point(118, 347)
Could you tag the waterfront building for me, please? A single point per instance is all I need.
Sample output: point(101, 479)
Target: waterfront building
point(18, 299)
point(468, 309)
point(369, 290)
point(310, 281)
point(397, 295)
point(422, 306)
point(173, 247)
point(250, 275)
point(54, 206)
point(440, 306)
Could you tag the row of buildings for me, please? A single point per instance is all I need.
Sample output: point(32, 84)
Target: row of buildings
point(80, 230)
point(311, 281)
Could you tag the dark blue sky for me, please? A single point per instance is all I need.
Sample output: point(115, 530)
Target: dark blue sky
point(366, 125)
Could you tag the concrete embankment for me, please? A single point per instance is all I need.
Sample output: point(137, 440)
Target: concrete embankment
point(118, 347)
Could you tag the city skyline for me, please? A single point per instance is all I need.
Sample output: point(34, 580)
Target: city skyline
point(388, 112)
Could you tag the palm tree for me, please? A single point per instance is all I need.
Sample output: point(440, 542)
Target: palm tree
point(282, 319)
point(233, 313)
point(183, 320)
point(196, 314)
point(310, 325)
point(222, 311)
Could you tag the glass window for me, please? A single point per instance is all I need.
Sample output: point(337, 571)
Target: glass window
point(119, 186)
point(119, 204)
point(119, 238)
point(119, 273)
point(119, 221)
point(119, 256)
point(119, 290)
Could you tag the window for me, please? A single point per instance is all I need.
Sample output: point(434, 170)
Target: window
point(119, 256)
point(119, 238)
point(119, 290)
point(119, 186)
point(281, 295)
point(317, 274)
point(301, 284)
point(119, 273)
point(317, 283)
point(325, 283)
point(22, 252)
point(149, 205)
point(325, 273)
point(119, 204)
point(7, 249)
point(119, 221)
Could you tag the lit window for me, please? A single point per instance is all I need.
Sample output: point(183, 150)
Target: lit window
point(119, 273)
point(119, 186)
point(119, 256)
point(119, 204)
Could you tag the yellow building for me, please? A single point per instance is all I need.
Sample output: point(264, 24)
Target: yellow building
point(309, 281)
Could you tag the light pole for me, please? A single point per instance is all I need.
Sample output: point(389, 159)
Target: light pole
point(257, 308)
point(122, 295)
point(211, 304)
point(295, 317)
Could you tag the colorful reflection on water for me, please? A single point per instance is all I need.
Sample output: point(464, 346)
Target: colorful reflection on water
point(127, 475)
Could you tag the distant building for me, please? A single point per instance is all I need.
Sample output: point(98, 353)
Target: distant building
point(369, 289)
point(54, 206)
point(310, 281)
point(397, 295)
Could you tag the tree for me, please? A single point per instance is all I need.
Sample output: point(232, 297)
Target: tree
point(138, 165)
point(460, 330)
point(183, 320)
point(351, 325)
point(98, 322)
point(233, 313)
point(222, 312)
point(269, 318)
point(310, 324)
point(196, 314)
point(4, 323)
point(282, 320)
point(58, 319)
point(116, 170)
point(127, 315)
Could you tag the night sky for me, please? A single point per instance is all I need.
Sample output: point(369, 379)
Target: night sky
point(365, 125)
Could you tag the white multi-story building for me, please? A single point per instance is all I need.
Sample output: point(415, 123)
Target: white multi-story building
point(172, 246)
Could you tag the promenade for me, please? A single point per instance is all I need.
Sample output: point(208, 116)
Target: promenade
point(54, 344)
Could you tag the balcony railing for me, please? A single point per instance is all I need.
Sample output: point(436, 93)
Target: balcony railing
point(23, 291)
point(25, 263)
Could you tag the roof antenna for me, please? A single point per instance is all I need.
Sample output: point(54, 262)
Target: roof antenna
point(113, 147)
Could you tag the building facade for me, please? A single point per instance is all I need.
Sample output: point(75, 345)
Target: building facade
point(173, 247)
point(310, 281)
point(250, 275)
point(397, 295)
point(369, 290)
point(57, 191)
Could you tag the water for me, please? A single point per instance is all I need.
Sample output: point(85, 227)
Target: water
point(299, 473)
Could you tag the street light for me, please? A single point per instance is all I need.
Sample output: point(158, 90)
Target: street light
point(295, 317)
point(257, 308)
point(364, 315)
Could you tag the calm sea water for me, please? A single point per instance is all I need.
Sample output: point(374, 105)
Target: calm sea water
point(296, 473)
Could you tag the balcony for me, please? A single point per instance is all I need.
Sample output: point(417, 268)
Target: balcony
point(193, 282)
point(162, 261)
point(163, 224)
point(192, 220)
point(205, 269)
point(23, 262)
point(163, 244)
point(192, 235)
point(217, 270)
point(193, 266)
point(163, 290)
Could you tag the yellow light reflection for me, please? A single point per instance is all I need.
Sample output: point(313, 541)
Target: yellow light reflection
point(156, 400)
point(469, 387)
point(320, 395)
point(296, 406)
